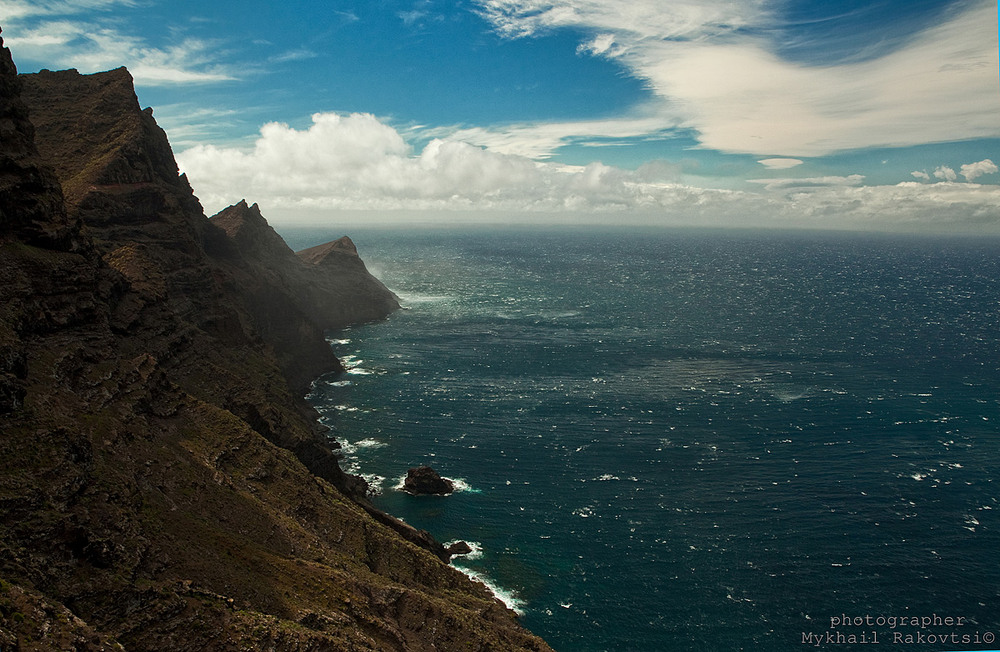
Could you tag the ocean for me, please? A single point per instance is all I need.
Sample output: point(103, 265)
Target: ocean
point(692, 439)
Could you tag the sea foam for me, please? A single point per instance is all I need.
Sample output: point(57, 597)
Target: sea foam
point(509, 598)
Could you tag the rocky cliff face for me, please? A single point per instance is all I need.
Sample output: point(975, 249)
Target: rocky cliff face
point(332, 294)
point(341, 292)
point(163, 486)
point(333, 286)
point(180, 292)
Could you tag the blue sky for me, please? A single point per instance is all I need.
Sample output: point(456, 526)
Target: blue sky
point(878, 114)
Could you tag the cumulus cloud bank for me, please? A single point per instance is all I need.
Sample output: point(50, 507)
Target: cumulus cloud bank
point(357, 162)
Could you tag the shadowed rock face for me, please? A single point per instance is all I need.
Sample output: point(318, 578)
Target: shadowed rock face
point(330, 288)
point(344, 291)
point(180, 293)
point(253, 236)
point(163, 484)
point(31, 202)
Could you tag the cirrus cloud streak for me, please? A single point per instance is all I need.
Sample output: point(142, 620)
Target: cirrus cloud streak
point(711, 68)
point(64, 39)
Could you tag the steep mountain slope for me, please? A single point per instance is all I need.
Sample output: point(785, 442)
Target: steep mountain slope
point(162, 484)
point(332, 295)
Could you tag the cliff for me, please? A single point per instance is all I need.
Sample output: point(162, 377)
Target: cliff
point(333, 294)
point(163, 485)
point(179, 294)
point(333, 286)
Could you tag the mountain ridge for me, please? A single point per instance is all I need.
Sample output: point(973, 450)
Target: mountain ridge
point(164, 484)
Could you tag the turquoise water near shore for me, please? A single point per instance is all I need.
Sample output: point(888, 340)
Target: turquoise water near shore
point(690, 440)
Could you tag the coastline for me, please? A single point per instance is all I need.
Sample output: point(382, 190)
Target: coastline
point(631, 473)
point(165, 485)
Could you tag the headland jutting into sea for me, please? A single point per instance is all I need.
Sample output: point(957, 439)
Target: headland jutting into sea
point(164, 486)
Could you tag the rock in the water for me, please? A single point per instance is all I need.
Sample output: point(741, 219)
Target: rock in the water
point(459, 548)
point(425, 480)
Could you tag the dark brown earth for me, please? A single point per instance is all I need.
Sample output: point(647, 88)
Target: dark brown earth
point(163, 485)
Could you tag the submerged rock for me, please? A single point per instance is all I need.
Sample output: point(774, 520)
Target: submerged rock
point(425, 480)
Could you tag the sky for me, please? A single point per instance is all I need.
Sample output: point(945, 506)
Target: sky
point(855, 114)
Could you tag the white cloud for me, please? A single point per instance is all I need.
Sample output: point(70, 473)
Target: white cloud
point(188, 125)
point(358, 163)
point(809, 182)
point(730, 87)
point(780, 163)
point(409, 18)
point(14, 9)
point(945, 173)
point(914, 206)
point(600, 44)
point(298, 54)
point(93, 47)
point(539, 140)
point(641, 18)
point(972, 171)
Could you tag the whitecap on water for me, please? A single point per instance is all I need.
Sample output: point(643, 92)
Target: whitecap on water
point(346, 447)
point(509, 598)
point(352, 365)
point(338, 383)
point(374, 483)
point(415, 297)
point(349, 448)
point(787, 395)
point(461, 485)
point(555, 314)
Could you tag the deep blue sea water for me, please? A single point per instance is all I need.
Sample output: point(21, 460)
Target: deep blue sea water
point(693, 440)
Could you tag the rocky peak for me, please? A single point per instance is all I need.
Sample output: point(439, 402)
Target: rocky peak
point(330, 283)
point(330, 253)
point(16, 131)
point(248, 229)
point(95, 134)
point(31, 202)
